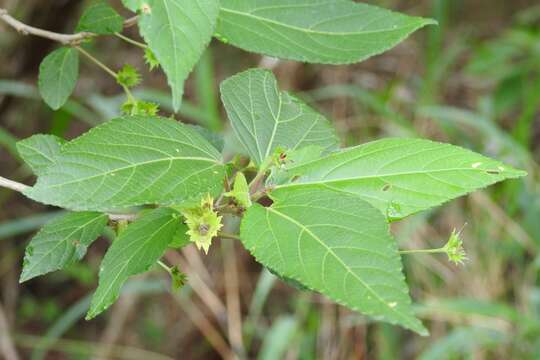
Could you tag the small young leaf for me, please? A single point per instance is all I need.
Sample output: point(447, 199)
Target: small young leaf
point(134, 251)
point(100, 18)
point(264, 118)
point(61, 242)
point(317, 31)
point(334, 243)
point(401, 177)
point(58, 75)
point(177, 32)
point(40, 151)
point(240, 191)
point(131, 161)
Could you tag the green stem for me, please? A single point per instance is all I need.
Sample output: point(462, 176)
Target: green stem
point(97, 62)
point(164, 266)
point(107, 70)
point(424, 251)
point(228, 236)
point(131, 41)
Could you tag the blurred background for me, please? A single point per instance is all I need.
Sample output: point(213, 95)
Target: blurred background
point(474, 81)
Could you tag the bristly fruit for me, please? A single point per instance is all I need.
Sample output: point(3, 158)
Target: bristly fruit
point(128, 76)
point(454, 248)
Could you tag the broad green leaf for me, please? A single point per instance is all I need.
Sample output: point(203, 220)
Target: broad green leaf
point(131, 161)
point(100, 18)
point(334, 243)
point(61, 242)
point(134, 251)
point(40, 151)
point(401, 176)
point(178, 31)
point(58, 75)
point(214, 138)
point(180, 238)
point(318, 31)
point(265, 118)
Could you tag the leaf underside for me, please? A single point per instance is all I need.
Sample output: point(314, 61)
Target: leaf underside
point(264, 118)
point(336, 244)
point(134, 251)
point(177, 32)
point(400, 176)
point(131, 161)
point(317, 31)
point(61, 242)
point(40, 151)
point(58, 74)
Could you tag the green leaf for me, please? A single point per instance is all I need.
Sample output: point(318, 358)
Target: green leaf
point(136, 249)
point(131, 161)
point(177, 32)
point(133, 5)
point(180, 238)
point(214, 138)
point(58, 75)
point(318, 31)
point(401, 176)
point(40, 151)
point(100, 18)
point(240, 191)
point(334, 243)
point(264, 118)
point(61, 242)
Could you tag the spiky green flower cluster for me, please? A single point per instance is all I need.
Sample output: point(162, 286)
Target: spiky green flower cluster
point(128, 76)
point(454, 248)
point(138, 107)
point(203, 223)
point(150, 59)
point(179, 278)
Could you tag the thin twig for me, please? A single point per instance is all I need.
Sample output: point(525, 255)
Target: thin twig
point(66, 39)
point(13, 185)
point(7, 348)
point(232, 294)
point(206, 327)
point(115, 326)
point(122, 217)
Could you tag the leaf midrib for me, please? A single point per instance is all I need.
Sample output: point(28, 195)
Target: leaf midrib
point(311, 31)
point(129, 167)
point(376, 176)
